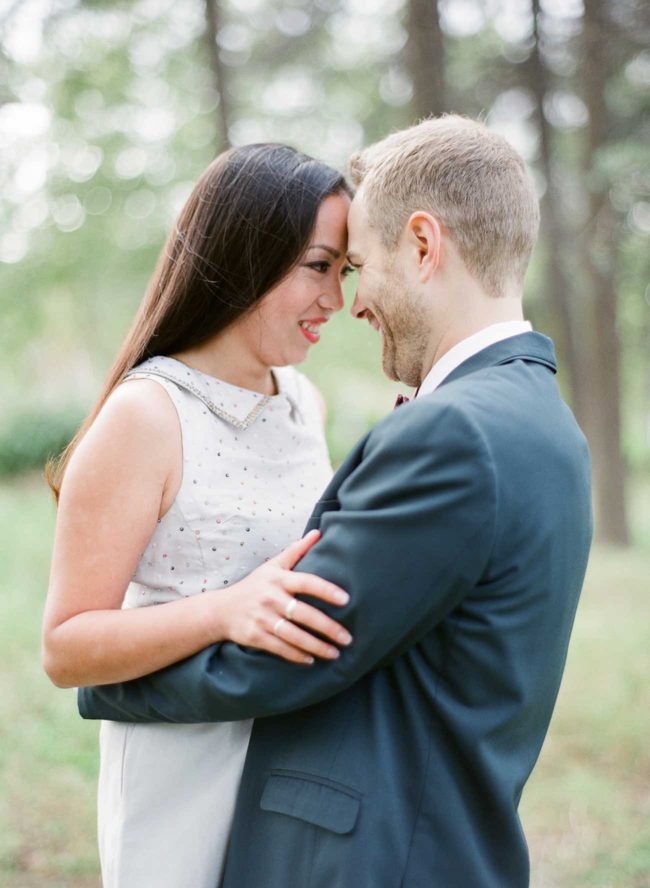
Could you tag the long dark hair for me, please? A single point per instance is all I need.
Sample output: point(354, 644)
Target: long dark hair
point(245, 225)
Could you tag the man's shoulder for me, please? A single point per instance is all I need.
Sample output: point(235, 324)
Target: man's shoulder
point(502, 401)
point(514, 408)
point(430, 424)
point(496, 395)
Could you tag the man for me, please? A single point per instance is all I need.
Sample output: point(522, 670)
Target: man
point(460, 526)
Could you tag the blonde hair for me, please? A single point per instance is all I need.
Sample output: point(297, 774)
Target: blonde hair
point(469, 178)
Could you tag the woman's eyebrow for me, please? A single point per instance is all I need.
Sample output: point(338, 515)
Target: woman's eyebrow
point(331, 250)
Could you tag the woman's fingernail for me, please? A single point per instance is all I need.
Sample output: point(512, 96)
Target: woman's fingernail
point(342, 597)
point(333, 653)
point(309, 660)
point(344, 637)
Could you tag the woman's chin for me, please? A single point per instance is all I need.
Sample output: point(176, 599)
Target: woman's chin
point(293, 352)
point(288, 357)
point(298, 354)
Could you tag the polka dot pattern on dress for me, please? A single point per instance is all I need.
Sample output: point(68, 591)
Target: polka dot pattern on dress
point(253, 468)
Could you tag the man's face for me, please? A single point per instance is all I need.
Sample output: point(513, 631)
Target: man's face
point(386, 298)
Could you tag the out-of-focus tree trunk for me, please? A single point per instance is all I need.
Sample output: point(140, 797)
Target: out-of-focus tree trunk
point(600, 239)
point(571, 348)
point(646, 377)
point(425, 58)
point(219, 71)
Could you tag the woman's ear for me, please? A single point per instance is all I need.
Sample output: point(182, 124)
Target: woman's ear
point(424, 238)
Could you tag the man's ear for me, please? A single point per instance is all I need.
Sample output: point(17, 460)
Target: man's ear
point(423, 235)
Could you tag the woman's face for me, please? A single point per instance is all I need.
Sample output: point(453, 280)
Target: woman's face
point(289, 319)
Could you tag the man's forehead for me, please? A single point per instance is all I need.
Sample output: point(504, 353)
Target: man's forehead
point(358, 206)
point(357, 218)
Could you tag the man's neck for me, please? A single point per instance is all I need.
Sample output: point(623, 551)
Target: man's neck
point(469, 346)
point(503, 310)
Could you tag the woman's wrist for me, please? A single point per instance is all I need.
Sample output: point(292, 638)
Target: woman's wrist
point(214, 607)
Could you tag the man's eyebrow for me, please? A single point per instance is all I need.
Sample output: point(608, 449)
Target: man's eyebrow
point(353, 257)
point(331, 250)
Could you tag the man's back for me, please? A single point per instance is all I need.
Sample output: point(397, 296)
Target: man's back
point(412, 776)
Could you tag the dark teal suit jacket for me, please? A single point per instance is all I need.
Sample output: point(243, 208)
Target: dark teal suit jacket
point(461, 527)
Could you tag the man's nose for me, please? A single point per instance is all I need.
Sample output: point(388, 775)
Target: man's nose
point(358, 308)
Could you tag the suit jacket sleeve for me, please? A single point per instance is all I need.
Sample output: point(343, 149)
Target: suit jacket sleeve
point(411, 538)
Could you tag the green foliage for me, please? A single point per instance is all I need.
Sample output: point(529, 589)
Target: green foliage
point(28, 439)
point(584, 806)
point(47, 756)
point(128, 106)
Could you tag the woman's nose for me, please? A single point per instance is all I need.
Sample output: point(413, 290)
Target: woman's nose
point(333, 299)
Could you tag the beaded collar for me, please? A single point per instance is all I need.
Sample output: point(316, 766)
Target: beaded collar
point(237, 406)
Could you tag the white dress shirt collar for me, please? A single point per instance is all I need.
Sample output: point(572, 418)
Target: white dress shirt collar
point(468, 347)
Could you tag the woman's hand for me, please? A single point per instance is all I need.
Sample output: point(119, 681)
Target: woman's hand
point(262, 612)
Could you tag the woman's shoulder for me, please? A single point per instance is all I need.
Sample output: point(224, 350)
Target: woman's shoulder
point(137, 420)
point(142, 403)
point(135, 435)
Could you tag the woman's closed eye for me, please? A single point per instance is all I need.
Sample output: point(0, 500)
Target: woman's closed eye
point(323, 267)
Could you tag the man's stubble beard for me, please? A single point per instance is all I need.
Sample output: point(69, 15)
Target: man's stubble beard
point(405, 335)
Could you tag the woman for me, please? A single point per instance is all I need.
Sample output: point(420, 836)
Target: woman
point(199, 463)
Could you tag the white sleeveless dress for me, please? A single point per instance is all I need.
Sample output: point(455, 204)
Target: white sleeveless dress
point(253, 466)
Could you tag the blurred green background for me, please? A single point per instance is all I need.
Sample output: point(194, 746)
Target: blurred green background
point(108, 113)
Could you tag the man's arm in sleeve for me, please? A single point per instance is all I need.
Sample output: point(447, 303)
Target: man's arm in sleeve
point(411, 539)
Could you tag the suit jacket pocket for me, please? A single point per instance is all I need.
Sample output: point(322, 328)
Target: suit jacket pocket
point(313, 799)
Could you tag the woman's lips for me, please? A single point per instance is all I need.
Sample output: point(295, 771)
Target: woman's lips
point(311, 329)
point(312, 337)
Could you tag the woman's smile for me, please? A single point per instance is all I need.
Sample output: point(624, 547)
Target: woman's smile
point(311, 329)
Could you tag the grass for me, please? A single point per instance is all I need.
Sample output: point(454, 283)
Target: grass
point(586, 810)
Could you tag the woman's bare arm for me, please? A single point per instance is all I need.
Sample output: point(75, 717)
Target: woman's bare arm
point(120, 480)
